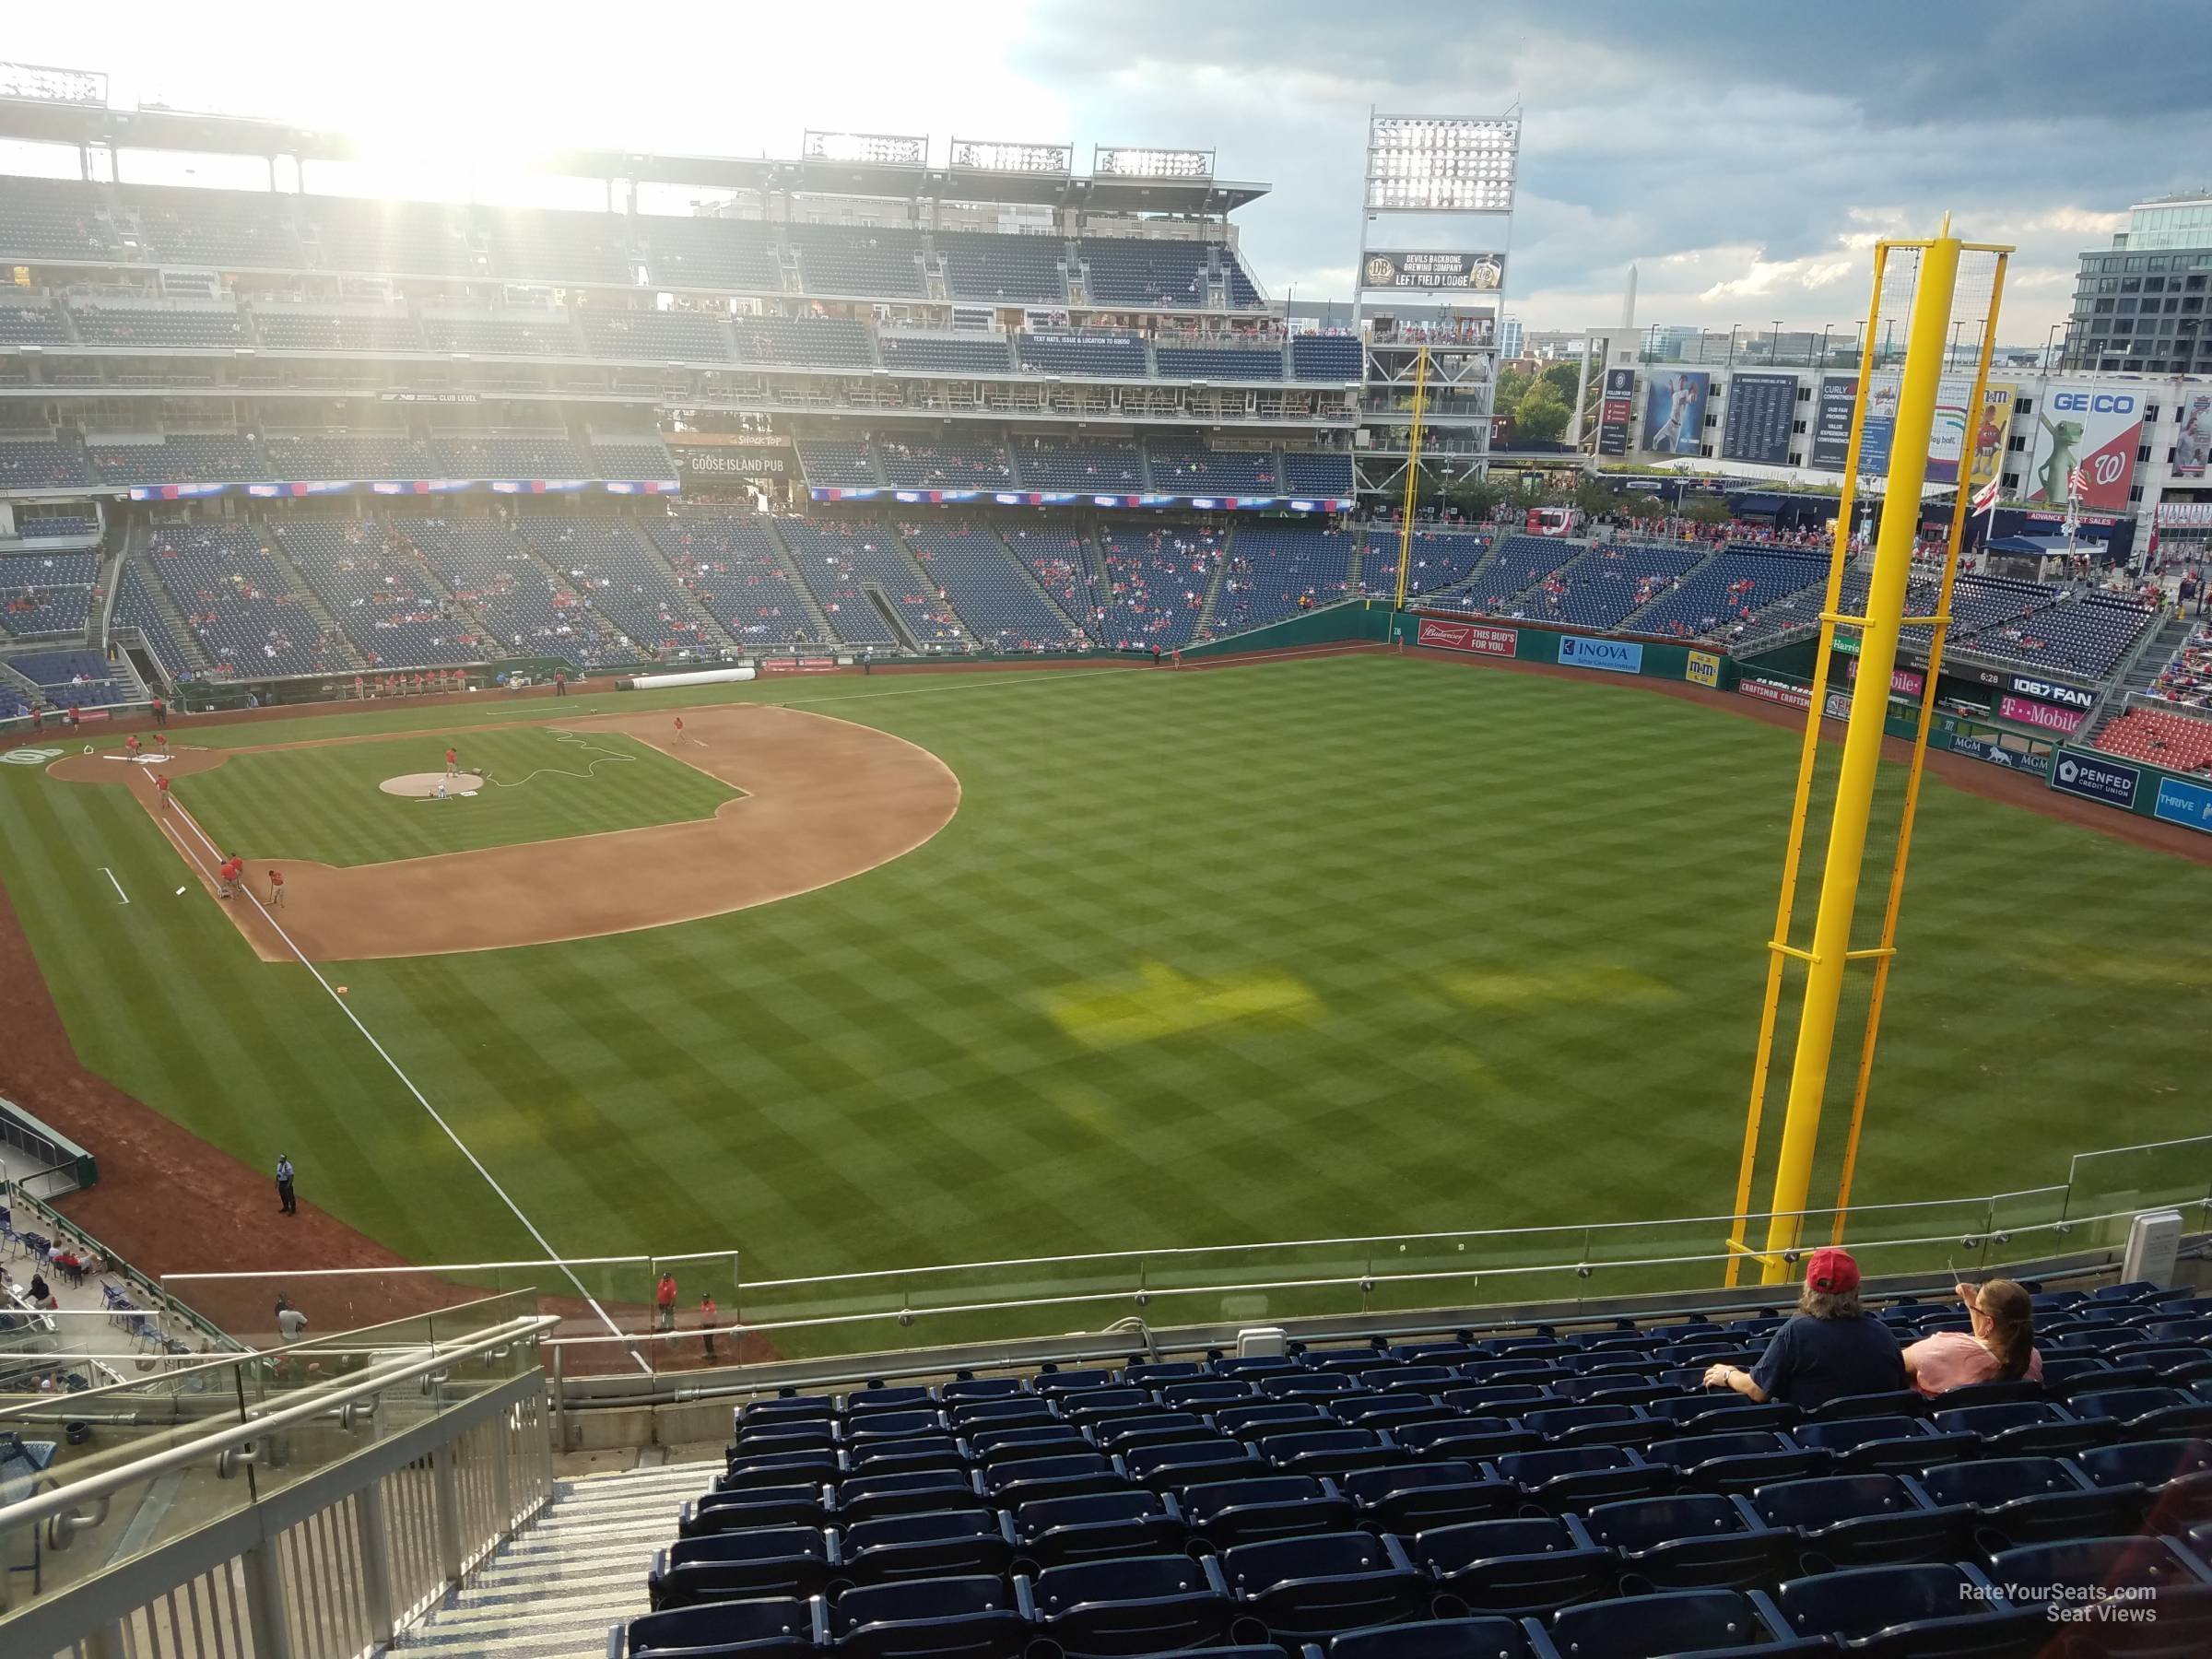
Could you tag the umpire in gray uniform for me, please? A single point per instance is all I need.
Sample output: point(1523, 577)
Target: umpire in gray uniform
point(284, 1186)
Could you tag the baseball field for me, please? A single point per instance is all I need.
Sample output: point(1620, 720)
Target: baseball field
point(1285, 950)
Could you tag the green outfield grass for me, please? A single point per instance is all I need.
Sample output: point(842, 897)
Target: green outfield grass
point(323, 802)
point(1293, 950)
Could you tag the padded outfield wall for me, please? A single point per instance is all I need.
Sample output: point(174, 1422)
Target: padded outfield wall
point(1524, 641)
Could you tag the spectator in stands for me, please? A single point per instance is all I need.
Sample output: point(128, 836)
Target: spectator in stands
point(1833, 1347)
point(291, 1323)
point(40, 1294)
point(2000, 1347)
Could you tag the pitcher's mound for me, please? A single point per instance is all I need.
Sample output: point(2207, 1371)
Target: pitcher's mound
point(422, 786)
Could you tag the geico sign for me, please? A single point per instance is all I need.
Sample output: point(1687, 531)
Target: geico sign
point(2094, 403)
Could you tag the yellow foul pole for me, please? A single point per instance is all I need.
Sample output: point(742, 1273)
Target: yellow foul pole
point(1862, 747)
point(1413, 473)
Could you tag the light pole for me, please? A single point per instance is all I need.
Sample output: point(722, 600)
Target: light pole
point(1775, 351)
point(1732, 328)
point(1824, 328)
point(2050, 342)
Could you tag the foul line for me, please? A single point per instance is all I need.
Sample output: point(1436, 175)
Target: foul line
point(116, 884)
point(420, 1098)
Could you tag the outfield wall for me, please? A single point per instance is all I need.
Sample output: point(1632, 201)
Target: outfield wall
point(2134, 786)
point(1353, 619)
point(1527, 642)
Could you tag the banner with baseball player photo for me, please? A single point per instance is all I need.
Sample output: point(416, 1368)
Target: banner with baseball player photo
point(2083, 451)
point(2192, 441)
point(1674, 413)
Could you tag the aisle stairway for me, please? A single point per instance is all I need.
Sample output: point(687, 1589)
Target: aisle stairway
point(553, 1591)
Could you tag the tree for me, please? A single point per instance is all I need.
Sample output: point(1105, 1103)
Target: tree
point(1706, 509)
point(1646, 507)
point(1476, 498)
point(1541, 416)
point(1565, 379)
point(1594, 498)
point(1512, 386)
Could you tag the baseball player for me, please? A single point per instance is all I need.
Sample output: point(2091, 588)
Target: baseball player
point(276, 890)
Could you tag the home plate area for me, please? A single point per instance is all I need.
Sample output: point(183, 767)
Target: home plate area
point(432, 786)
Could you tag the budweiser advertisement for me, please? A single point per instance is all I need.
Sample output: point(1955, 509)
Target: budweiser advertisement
point(1468, 636)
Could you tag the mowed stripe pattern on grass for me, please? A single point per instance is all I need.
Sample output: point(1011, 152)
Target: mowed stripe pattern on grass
point(1285, 951)
point(323, 802)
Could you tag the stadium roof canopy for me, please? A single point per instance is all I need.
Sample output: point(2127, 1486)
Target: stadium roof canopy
point(63, 122)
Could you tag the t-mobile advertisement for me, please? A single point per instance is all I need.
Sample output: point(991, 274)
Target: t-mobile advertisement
point(2042, 716)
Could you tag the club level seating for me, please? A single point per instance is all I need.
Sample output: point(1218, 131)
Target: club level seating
point(851, 559)
point(44, 464)
point(2177, 742)
point(45, 594)
point(504, 333)
point(26, 324)
point(249, 620)
point(526, 608)
point(136, 607)
point(1145, 271)
point(404, 239)
point(642, 458)
point(2084, 637)
point(180, 459)
point(161, 327)
point(54, 525)
point(559, 246)
point(1326, 357)
point(953, 462)
point(1103, 466)
point(1327, 476)
point(1157, 580)
point(1521, 562)
point(653, 336)
point(513, 455)
point(861, 260)
point(1243, 292)
point(997, 603)
point(805, 342)
point(1062, 564)
point(304, 328)
point(1613, 580)
point(708, 254)
point(937, 354)
point(730, 563)
point(1411, 1503)
point(50, 221)
point(1721, 594)
point(1103, 354)
point(73, 679)
point(2183, 679)
point(383, 601)
point(1219, 362)
point(237, 230)
point(1184, 467)
point(1006, 269)
point(1436, 559)
point(844, 465)
point(348, 455)
point(621, 578)
point(1278, 570)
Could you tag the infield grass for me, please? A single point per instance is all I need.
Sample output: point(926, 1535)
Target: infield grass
point(323, 802)
point(1290, 951)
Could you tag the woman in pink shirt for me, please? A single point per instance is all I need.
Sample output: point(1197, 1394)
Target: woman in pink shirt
point(2000, 1350)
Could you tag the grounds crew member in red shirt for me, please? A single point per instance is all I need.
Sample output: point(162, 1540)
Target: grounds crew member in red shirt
point(161, 785)
point(131, 743)
point(228, 873)
point(707, 1320)
point(160, 713)
point(663, 1299)
point(452, 762)
point(276, 890)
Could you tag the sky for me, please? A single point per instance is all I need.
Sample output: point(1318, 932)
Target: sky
point(1744, 156)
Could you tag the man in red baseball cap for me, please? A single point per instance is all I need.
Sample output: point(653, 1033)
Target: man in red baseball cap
point(1833, 1347)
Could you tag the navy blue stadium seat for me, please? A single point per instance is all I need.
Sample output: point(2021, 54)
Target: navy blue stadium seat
point(974, 1617)
point(2143, 1412)
point(1047, 1438)
point(1206, 1395)
point(1856, 1520)
point(1676, 1622)
point(1255, 1415)
point(1063, 1477)
point(1053, 1383)
point(1696, 1540)
point(1525, 1565)
point(1229, 1512)
point(1054, 1531)
point(1166, 1469)
point(1316, 1586)
point(1883, 1442)
point(1736, 1462)
point(2033, 1500)
point(921, 1454)
point(2067, 1375)
point(777, 1468)
point(1470, 1438)
point(932, 1543)
point(1432, 1638)
point(1332, 1450)
point(782, 1628)
point(1915, 1611)
point(1722, 1411)
point(1593, 1426)
point(1575, 1476)
point(1011, 1409)
point(1405, 1499)
point(1900, 1402)
point(1134, 1605)
point(968, 1390)
point(872, 1496)
point(2023, 1427)
point(1988, 1393)
point(876, 1398)
point(2181, 1467)
point(738, 1566)
point(1155, 1428)
point(750, 1507)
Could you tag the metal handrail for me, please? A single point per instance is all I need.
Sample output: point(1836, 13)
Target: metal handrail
point(55, 1500)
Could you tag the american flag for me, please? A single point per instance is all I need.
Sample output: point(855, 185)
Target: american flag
point(2078, 482)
